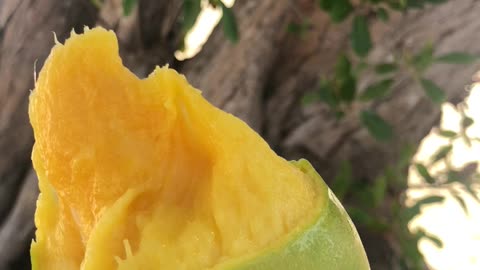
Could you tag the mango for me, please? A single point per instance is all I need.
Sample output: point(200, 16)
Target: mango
point(146, 174)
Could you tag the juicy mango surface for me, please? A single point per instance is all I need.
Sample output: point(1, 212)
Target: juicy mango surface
point(146, 174)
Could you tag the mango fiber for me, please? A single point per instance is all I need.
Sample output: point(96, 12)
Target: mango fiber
point(146, 174)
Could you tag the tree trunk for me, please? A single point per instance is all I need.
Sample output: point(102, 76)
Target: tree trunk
point(26, 36)
point(260, 79)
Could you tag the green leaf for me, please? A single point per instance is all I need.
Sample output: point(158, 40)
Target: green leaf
point(376, 126)
point(229, 24)
point(469, 190)
point(343, 67)
point(325, 93)
point(433, 91)
point(348, 89)
point(422, 170)
point(467, 122)
point(128, 6)
point(396, 6)
point(436, 2)
point(382, 14)
point(340, 10)
point(328, 96)
point(461, 202)
point(430, 200)
point(422, 60)
point(414, 3)
point(298, 29)
point(447, 133)
point(386, 68)
point(346, 82)
point(411, 212)
point(326, 4)
point(465, 138)
point(360, 36)
point(343, 180)
point(435, 240)
point(377, 90)
point(441, 153)
point(457, 58)
point(191, 10)
point(406, 155)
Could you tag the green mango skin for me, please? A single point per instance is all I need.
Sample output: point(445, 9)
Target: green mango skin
point(331, 242)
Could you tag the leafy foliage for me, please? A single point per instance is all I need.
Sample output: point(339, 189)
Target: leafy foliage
point(423, 171)
point(457, 58)
point(229, 23)
point(345, 80)
point(433, 91)
point(360, 36)
point(128, 6)
point(377, 127)
point(386, 68)
point(377, 90)
point(191, 10)
point(423, 59)
point(338, 10)
point(340, 89)
point(368, 198)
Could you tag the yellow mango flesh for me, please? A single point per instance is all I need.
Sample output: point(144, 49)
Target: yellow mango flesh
point(146, 174)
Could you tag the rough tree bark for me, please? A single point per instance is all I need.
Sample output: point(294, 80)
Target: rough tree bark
point(260, 79)
point(26, 37)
